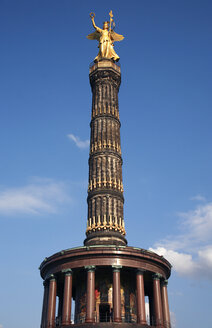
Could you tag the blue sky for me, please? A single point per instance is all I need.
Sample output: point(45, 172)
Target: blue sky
point(165, 110)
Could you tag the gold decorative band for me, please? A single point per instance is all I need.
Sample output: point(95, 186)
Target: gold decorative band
point(103, 110)
point(105, 183)
point(106, 144)
point(96, 224)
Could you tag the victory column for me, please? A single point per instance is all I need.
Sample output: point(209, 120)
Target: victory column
point(107, 279)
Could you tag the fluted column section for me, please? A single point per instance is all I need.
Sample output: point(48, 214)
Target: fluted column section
point(67, 297)
point(105, 186)
point(165, 304)
point(52, 302)
point(158, 313)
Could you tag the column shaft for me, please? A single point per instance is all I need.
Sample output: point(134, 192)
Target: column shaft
point(116, 296)
point(90, 295)
point(67, 296)
point(158, 314)
point(51, 303)
point(105, 161)
point(165, 305)
point(141, 312)
point(45, 304)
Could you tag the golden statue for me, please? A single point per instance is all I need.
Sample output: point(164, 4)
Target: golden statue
point(106, 38)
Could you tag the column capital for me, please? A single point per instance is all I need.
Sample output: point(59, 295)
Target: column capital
point(51, 277)
point(116, 268)
point(140, 271)
point(90, 268)
point(45, 282)
point(67, 272)
point(157, 276)
point(164, 282)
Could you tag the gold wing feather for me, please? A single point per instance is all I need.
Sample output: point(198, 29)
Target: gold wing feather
point(115, 36)
point(94, 36)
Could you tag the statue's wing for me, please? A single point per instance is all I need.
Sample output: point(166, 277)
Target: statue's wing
point(94, 36)
point(115, 36)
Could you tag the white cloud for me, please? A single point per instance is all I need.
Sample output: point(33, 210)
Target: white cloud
point(195, 229)
point(79, 143)
point(190, 252)
point(38, 197)
point(181, 262)
point(198, 198)
point(199, 222)
point(173, 319)
point(205, 256)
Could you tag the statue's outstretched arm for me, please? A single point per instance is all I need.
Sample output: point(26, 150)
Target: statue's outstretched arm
point(92, 15)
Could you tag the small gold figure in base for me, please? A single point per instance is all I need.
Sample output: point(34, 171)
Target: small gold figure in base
point(106, 38)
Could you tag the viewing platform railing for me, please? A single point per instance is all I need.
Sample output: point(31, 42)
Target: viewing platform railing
point(105, 59)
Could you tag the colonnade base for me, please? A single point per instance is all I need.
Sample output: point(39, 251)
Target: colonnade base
point(108, 325)
point(105, 282)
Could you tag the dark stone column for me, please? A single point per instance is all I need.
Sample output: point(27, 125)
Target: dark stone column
point(105, 226)
point(90, 302)
point(45, 301)
point(51, 302)
point(141, 312)
point(67, 297)
point(116, 294)
point(165, 304)
point(158, 314)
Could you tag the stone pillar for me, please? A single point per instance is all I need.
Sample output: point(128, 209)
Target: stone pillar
point(116, 294)
point(158, 313)
point(45, 301)
point(67, 297)
point(141, 312)
point(51, 302)
point(165, 304)
point(90, 302)
point(105, 184)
